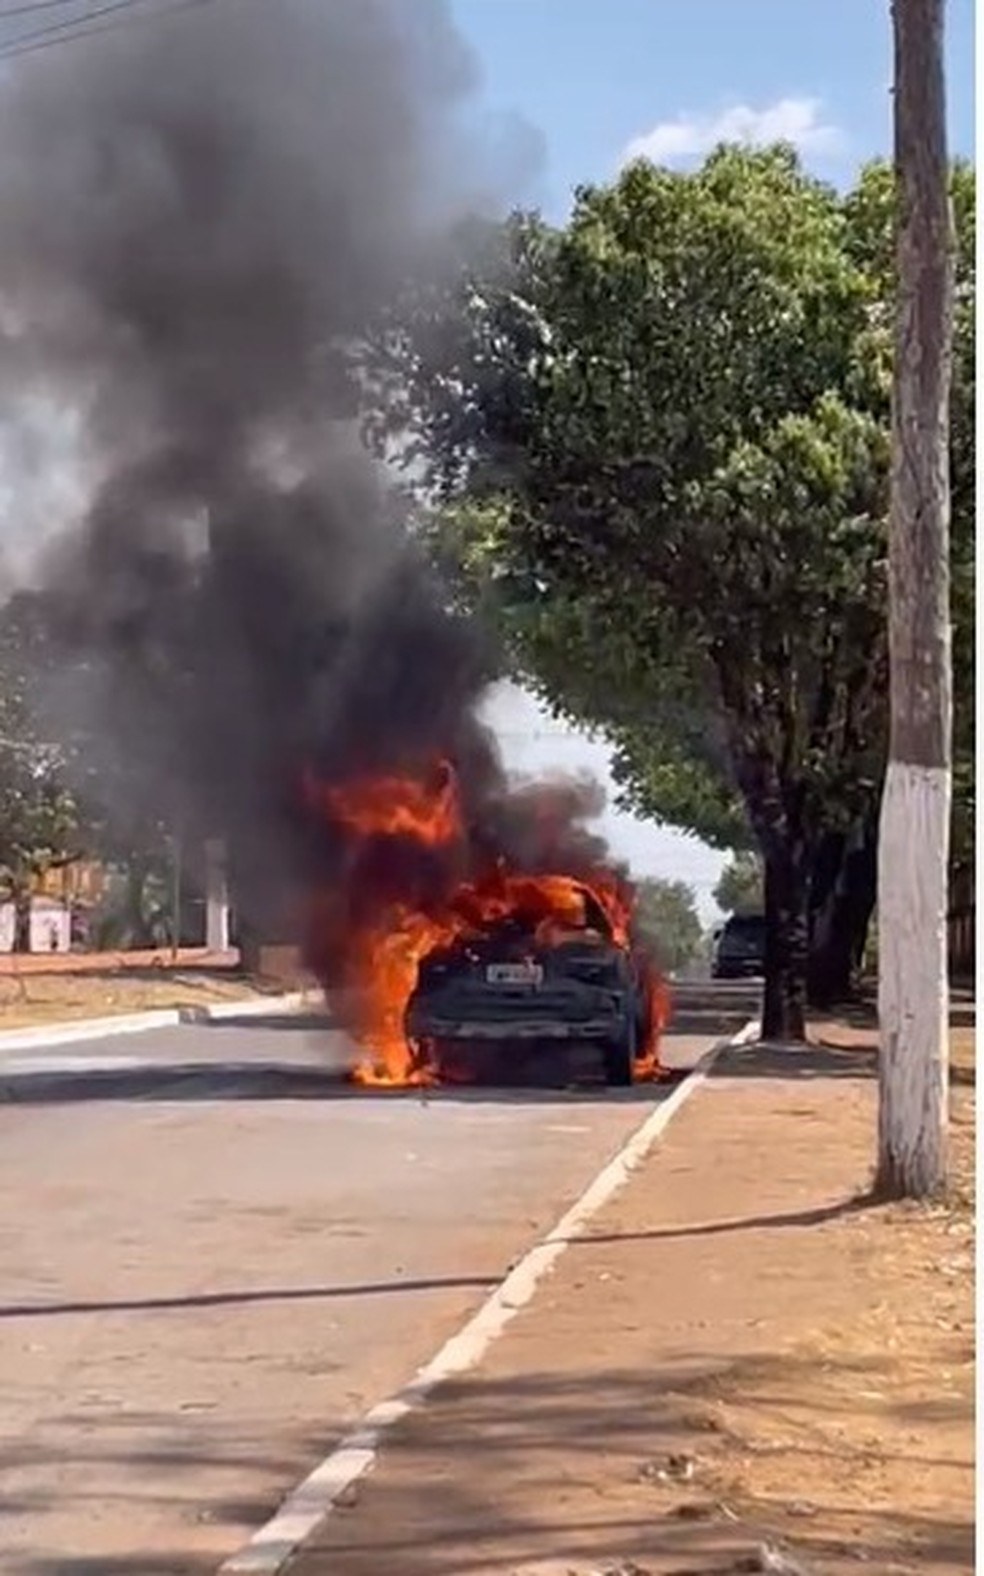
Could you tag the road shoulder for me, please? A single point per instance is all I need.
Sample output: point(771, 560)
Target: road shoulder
point(741, 1354)
point(59, 1009)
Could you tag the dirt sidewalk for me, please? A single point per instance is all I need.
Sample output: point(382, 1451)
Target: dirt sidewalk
point(745, 1356)
point(40, 1000)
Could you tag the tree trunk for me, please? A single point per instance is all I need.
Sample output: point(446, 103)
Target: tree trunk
point(136, 930)
point(915, 823)
point(784, 1003)
point(22, 916)
point(841, 911)
point(826, 877)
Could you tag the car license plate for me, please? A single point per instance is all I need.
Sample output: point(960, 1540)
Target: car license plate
point(514, 973)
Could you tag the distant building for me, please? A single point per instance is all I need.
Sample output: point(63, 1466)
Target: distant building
point(50, 928)
point(82, 881)
point(56, 894)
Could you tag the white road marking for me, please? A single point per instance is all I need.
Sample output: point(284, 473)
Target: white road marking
point(269, 1549)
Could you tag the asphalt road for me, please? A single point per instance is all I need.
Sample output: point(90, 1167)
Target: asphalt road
point(214, 1256)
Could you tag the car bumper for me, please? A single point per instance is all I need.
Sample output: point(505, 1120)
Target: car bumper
point(504, 1029)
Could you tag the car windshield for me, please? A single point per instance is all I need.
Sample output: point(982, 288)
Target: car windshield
point(743, 933)
point(750, 926)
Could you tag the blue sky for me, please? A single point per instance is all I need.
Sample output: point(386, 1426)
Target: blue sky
point(594, 77)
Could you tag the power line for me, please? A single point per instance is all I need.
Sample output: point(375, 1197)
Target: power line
point(38, 5)
point(67, 23)
point(70, 29)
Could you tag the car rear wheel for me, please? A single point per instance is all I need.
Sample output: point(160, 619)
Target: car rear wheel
point(620, 1058)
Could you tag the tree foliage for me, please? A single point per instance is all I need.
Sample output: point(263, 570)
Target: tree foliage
point(660, 438)
point(667, 923)
point(740, 888)
point(669, 753)
point(38, 814)
point(64, 793)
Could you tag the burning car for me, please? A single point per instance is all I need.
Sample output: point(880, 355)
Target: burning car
point(441, 952)
point(523, 985)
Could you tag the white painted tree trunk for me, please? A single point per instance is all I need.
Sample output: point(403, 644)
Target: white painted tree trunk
point(216, 897)
point(912, 977)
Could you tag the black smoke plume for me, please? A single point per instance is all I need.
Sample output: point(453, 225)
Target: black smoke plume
point(198, 215)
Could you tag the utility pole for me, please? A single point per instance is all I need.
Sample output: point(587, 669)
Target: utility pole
point(915, 822)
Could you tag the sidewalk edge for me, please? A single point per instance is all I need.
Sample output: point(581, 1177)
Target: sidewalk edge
point(273, 1545)
point(251, 1007)
point(70, 1031)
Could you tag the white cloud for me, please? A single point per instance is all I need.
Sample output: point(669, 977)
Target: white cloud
point(796, 120)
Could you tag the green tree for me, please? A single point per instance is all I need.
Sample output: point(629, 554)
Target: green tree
point(669, 753)
point(662, 397)
point(660, 439)
point(78, 795)
point(38, 814)
point(666, 922)
point(740, 888)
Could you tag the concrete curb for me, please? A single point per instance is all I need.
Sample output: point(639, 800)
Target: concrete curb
point(70, 1032)
point(254, 1007)
point(280, 1540)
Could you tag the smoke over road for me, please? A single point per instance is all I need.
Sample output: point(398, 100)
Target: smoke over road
point(197, 217)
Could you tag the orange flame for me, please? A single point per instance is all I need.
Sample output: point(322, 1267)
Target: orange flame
point(382, 960)
point(399, 807)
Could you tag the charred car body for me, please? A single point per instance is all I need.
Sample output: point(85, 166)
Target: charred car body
point(518, 990)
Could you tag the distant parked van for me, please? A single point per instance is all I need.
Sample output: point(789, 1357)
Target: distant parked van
point(739, 953)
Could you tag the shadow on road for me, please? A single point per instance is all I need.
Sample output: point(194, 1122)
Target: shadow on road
point(853, 1204)
point(111, 1565)
point(244, 1297)
point(571, 1452)
point(274, 1081)
point(494, 1472)
point(797, 1062)
point(704, 1013)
